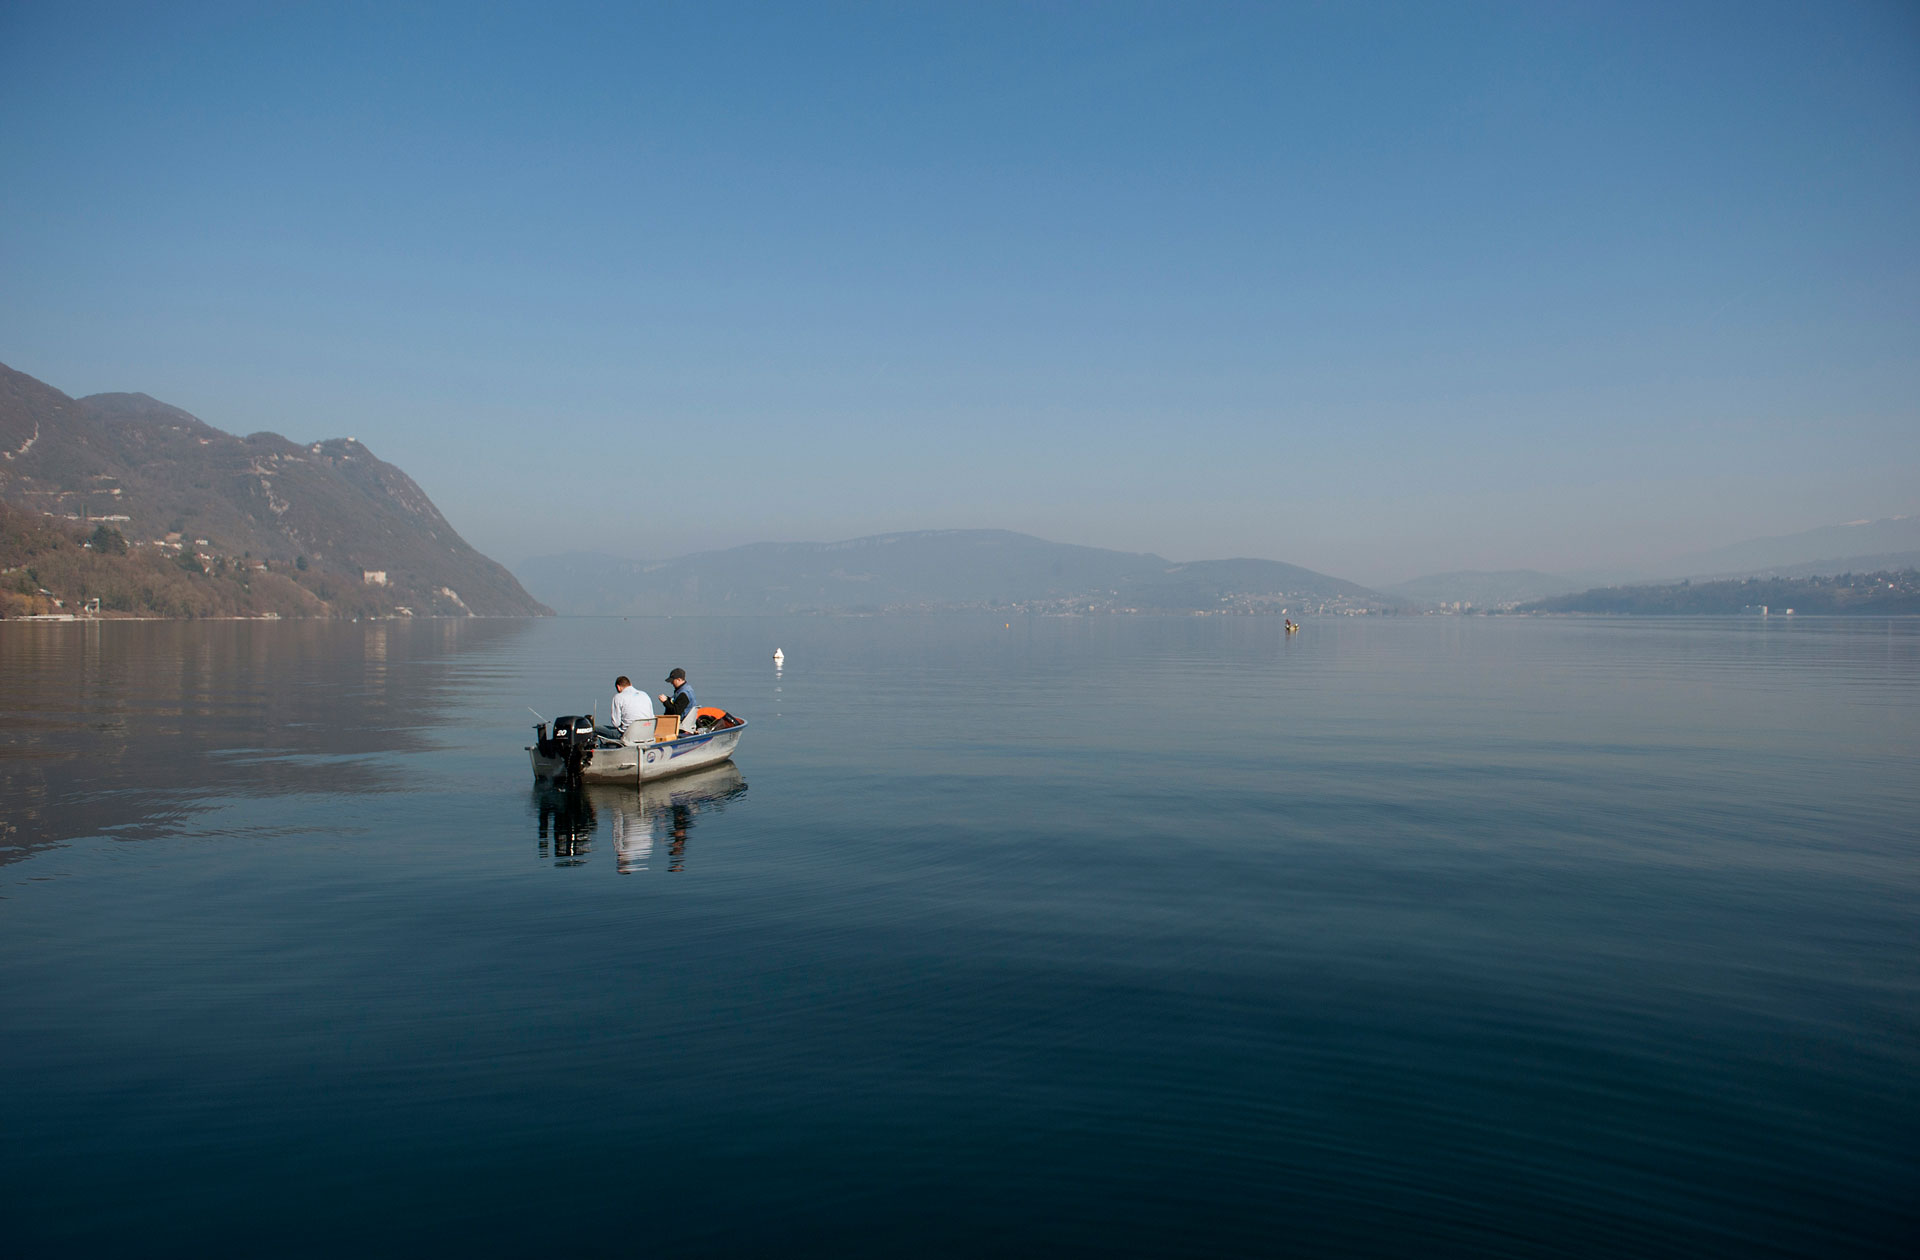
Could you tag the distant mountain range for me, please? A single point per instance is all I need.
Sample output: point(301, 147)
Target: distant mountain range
point(1890, 544)
point(1883, 561)
point(1481, 589)
point(1893, 541)
point(944, 570)
point(145, 508)
point(351, 532)
point(1883, 594)
point(934, 570)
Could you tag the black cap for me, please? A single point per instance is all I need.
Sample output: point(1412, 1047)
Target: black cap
point(677, 672)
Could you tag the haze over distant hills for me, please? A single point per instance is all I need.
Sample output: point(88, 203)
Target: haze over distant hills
point(327, 528)
point(351, 532)
point(1481, 589)
point(933, 570)
point(1892, 543)
point(1880, 594)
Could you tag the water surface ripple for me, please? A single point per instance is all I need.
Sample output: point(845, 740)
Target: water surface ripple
point(1093, 936)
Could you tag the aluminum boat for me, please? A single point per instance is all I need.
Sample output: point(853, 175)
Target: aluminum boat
point(577, 751)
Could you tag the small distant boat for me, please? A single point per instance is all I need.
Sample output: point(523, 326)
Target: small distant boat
point(779, 658)
point(576, 751)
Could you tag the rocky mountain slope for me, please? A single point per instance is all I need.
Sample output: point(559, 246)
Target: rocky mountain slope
point(351, 528)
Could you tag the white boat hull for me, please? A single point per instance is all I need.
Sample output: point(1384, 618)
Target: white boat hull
point(643, 763)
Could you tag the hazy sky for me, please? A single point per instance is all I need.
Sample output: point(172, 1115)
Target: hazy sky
point(1377, 289)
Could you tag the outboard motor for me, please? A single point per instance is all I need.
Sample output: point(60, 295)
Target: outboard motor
point(572, 744)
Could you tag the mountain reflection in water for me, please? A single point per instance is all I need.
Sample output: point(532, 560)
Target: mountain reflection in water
point(135, 729)
point(636, 818)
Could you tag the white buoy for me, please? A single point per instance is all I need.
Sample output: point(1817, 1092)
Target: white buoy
point(779, 657)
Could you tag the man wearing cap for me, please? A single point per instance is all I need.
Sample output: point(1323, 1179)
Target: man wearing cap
point(681, 703)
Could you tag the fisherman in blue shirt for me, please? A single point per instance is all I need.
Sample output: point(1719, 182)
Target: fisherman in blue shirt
point(681, 703)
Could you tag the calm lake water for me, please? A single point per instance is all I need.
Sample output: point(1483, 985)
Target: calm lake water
point(1088, 936)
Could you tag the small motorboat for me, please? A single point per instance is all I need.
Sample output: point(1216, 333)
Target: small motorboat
point(576, 751)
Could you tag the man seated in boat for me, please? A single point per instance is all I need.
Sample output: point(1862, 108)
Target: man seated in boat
point(632, 712)
point(681, 703)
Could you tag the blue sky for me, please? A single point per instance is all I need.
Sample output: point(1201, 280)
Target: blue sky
point(1377, 289)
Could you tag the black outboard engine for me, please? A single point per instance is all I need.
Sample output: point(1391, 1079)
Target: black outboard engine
point(571, 744)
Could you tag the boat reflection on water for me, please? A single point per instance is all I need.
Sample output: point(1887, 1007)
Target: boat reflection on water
point(661, 812)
